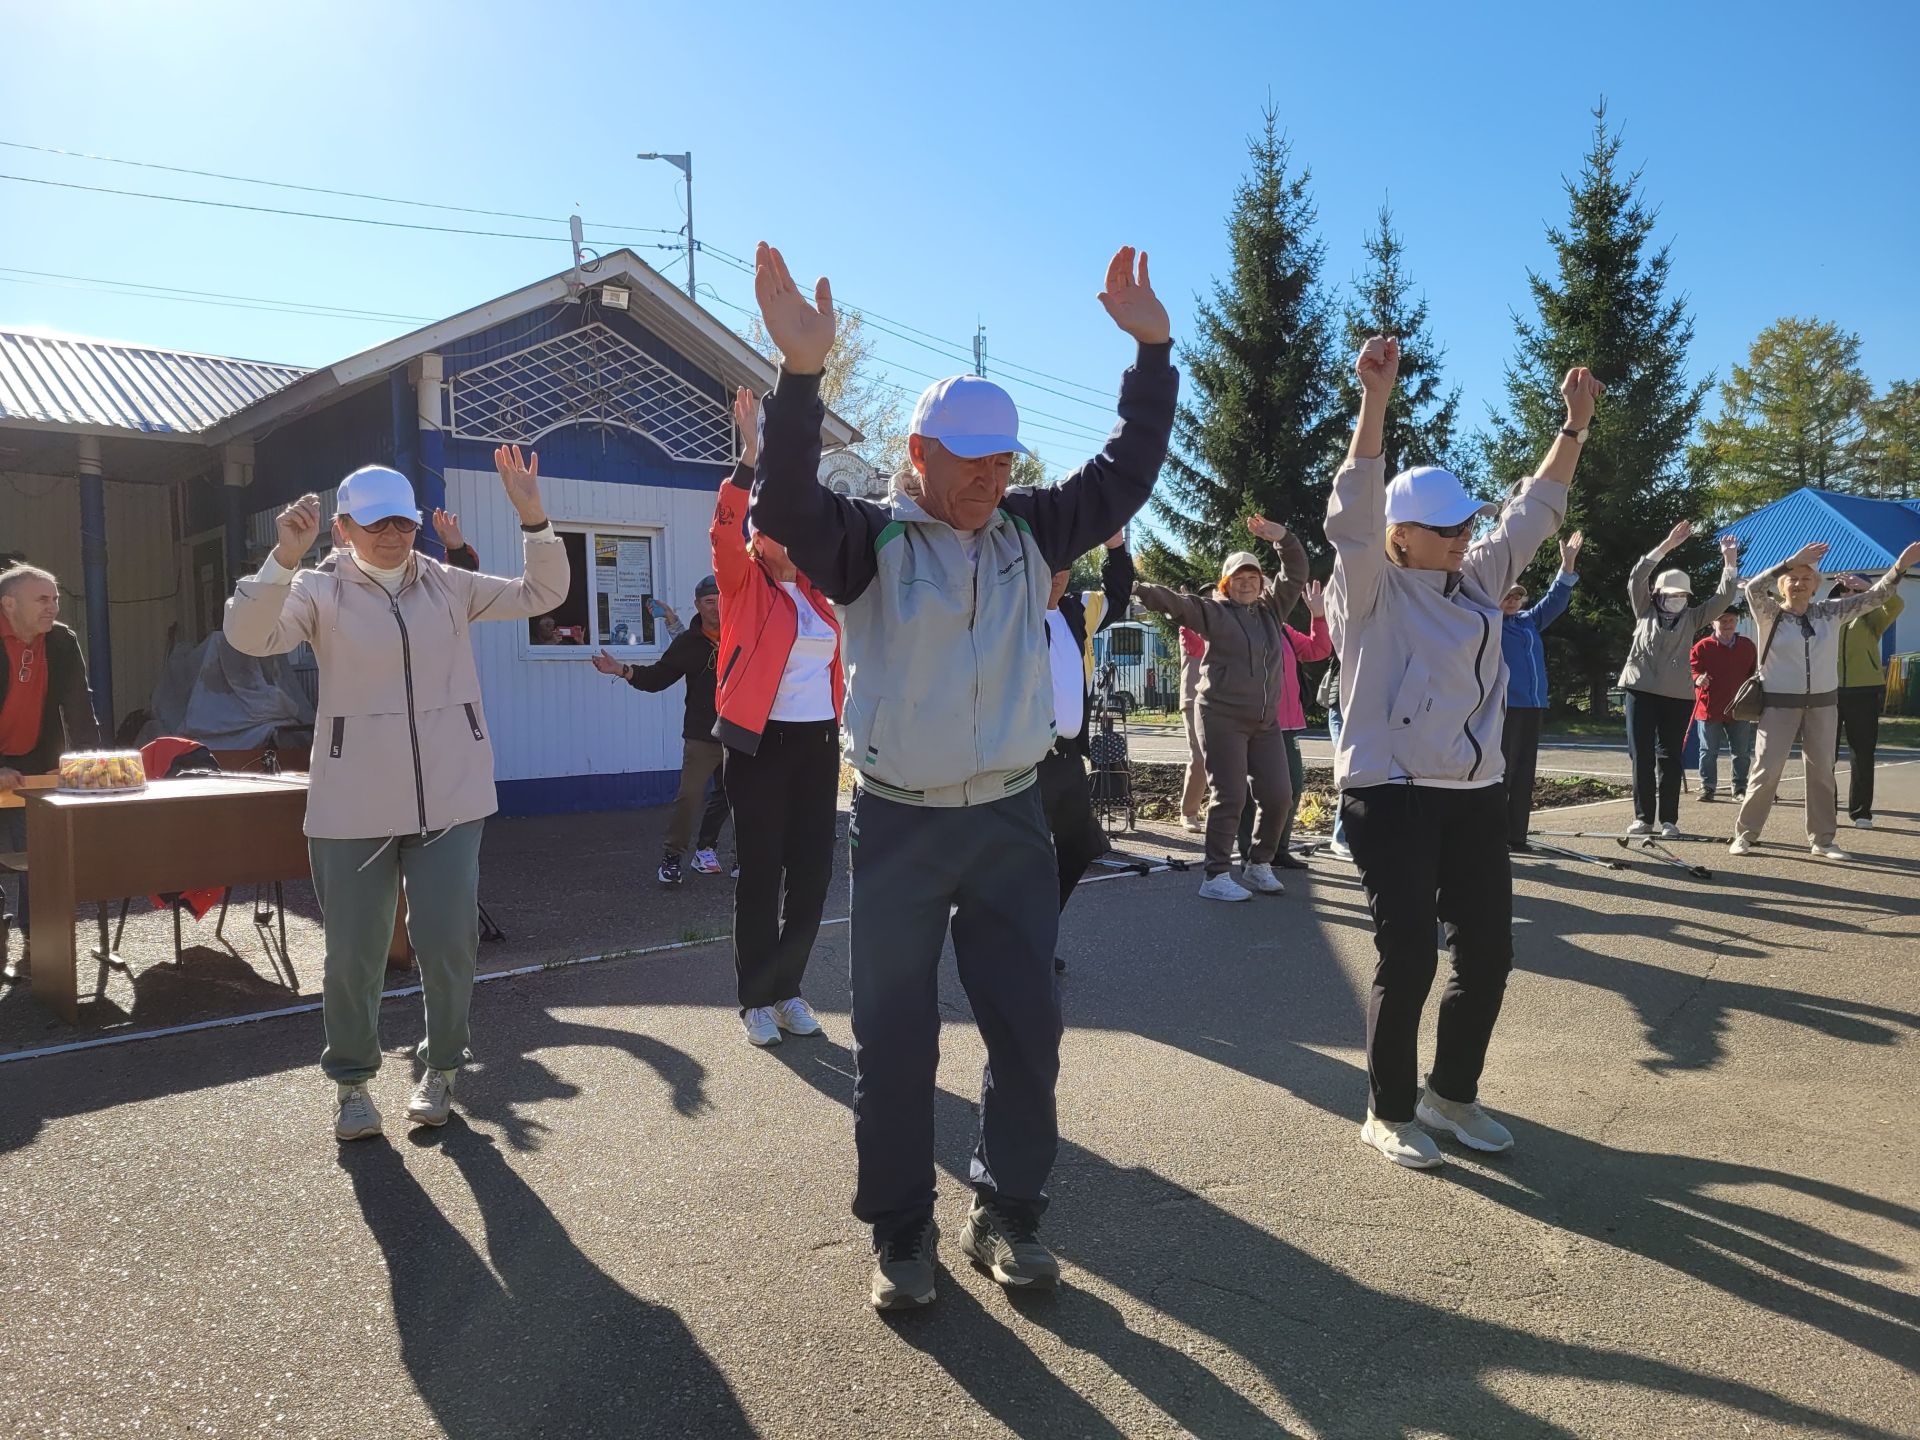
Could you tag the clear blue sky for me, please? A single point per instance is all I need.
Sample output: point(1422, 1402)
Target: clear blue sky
point(947, 164)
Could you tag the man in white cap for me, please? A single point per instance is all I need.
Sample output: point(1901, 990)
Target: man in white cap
point(949, 709)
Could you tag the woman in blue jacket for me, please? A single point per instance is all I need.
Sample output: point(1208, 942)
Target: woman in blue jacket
point(1526, 661)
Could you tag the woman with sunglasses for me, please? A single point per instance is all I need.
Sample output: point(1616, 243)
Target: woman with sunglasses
point(1414, 607)
point(402, 768)
point(1658, 675)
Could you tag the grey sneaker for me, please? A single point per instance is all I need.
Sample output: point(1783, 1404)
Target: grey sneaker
point(1468, 1123)
point(1741, 846)
point(1008, 1247)
point(1262, 878)
point(1669, 831)
point(762, 1029)
point(1863, 822)
point(1827, 851)
point(1640, 827)
point(1223, 887)
point(796, 1017)
point(356, 1118)
point(903, 1269)
point(432, 1099)
point(1404, 1143)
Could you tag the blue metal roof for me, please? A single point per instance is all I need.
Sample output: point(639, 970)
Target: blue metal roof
point(66, 381)
point(1864, 534)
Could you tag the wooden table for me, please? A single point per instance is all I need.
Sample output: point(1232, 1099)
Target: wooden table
point(174, 835)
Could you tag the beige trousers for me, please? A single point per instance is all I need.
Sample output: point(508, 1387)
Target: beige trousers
point(1193, 799)
point(1817, 730)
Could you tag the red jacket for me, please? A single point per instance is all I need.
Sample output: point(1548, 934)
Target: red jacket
point(1723, 667)
point(757, 626)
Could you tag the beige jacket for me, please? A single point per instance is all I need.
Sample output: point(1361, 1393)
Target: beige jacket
point(400, 741)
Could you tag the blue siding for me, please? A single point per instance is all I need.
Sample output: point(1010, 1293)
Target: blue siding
point(579, 794)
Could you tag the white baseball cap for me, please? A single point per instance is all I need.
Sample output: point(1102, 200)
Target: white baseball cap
point(373, 492)
point(1236, 562)
point(1428, 495)
point(972, 417)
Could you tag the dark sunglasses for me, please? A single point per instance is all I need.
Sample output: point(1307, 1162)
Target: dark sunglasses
point(392, 522)
point(1445, 532)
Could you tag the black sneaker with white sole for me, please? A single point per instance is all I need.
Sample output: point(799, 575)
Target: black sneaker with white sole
point(670, 868)
point(903, 1268)
point(1006, 1244)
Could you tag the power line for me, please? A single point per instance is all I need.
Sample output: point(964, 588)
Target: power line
point(298, 214)
point(50, 279)
point(321, 190)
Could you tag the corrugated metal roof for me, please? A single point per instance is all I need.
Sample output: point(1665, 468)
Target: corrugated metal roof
point(1864, 534)
point(65, 380)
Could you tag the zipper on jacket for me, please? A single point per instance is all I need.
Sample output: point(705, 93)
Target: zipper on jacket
point(413, 724)
point(1486, 630)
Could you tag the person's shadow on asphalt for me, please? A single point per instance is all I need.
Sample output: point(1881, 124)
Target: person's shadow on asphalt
point(532, 1338)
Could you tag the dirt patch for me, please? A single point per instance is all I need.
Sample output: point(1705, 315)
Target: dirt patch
point(1157, 790)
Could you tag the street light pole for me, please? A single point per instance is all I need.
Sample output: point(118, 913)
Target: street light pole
point(684, 164)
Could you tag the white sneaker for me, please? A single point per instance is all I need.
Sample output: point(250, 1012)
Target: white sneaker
point(1828, 851)
point(705, 862)
point(762, 1029)
point(432, 1100)
point(796, 1017)
point(1224, 887)
point(1340, 851)
point(1193, 826)
point(1741, 846)
point(1865, 822)
point(1468, 1124)
point(356, 1119)
point(1640, 827)
point(1669, 831)
point(1404, 1144)
point(1262, 878)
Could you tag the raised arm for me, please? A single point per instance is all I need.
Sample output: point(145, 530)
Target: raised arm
point(1715, 605)
point(1317, 643)
point(1357, 509)
point(1188, 610)
point(1875, 595)
point(830, 537)
point(1582, 393)
point(268, 613)
point(1640, 578)
point(1116, 579)
point(726, 536)
point(1102, 495)
point(1552, 605)
point(1283, 590)
point(546, 577)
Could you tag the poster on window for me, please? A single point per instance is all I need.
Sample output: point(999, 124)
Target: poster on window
point(623, 583)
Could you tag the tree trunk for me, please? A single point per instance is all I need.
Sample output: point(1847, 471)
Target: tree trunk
point(1597, 687)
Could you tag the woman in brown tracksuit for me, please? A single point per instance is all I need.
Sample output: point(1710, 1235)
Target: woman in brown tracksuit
point(1238, 700)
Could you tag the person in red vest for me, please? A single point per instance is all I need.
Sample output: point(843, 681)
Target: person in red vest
point(1722, 660)
point(45, 705)
point(779, 700)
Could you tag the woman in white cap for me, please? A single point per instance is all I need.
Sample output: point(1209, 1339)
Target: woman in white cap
point(1800, 675)
point(402, 768)
point(1414, 606)
point(1238, 702)
point(1658, 675)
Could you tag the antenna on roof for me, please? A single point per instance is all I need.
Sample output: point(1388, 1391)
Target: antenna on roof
point(576, 282)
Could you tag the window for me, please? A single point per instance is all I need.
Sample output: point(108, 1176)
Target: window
point(610, 601)
point(1126, 642)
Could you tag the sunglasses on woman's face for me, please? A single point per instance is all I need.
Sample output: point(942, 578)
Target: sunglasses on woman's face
point(1446, 532)
point(392, 522)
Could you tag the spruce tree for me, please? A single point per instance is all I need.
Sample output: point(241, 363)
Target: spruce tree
point(1257, 417)
point(1422, 416)
point(1607, 307)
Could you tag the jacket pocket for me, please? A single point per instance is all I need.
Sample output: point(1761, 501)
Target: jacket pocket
point(1428, 734)
point(473, 721)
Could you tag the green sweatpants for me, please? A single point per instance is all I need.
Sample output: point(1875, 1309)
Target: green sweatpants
point(358, 882)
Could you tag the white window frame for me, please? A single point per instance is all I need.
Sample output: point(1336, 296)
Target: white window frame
point(590, 531)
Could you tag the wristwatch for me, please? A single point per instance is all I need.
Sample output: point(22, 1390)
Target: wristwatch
point(1579, 436)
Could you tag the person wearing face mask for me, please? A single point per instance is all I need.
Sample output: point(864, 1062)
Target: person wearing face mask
point(950, 708)
point(402, 775)
point(1238, 703)
point(1526, 661)
point(1658, 675)
point(1800, 675)
point(778, 715)
point(1414, 607)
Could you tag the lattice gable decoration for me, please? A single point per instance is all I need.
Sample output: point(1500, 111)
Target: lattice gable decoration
point(590, 376)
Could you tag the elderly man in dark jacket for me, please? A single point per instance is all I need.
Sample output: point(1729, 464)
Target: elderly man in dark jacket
point(45, 705)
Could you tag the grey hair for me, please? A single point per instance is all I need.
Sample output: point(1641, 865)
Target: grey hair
point(11, 577)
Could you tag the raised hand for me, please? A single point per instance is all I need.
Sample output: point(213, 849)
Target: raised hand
point(1816, 552)
point(520, 476)
point(1582, 393)
point(1909, 558)
point(1854, 584)
point(607, 665)
point(746, 420)
point(1730, 551)
point(804, 332)
point(1677, 536)
point(1265, 529)
point(296, 527)
point(1378, 365)
point(1570, 554)
point(1316, 598)
point(447, 526)
point(1130, 300)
